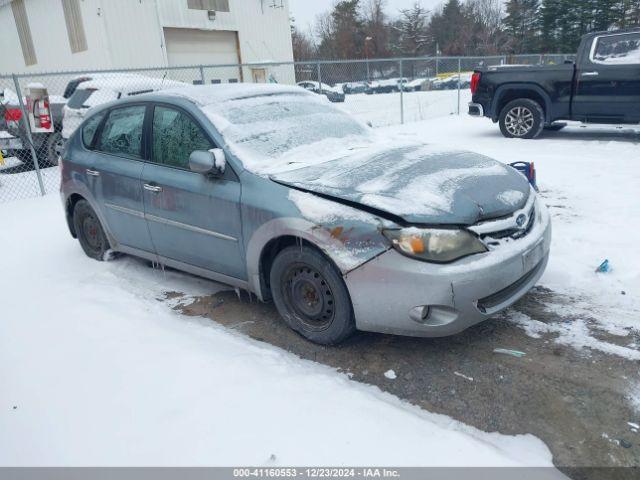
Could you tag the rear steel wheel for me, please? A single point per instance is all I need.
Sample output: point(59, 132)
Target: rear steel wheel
point(89, 231)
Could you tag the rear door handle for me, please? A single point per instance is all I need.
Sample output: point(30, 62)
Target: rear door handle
point(93, 173)
point(152, 188)
point(589, 74)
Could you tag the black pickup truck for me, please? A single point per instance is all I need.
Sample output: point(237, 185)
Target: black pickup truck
point(601, 86)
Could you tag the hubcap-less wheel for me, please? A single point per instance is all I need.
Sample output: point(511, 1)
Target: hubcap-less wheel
point(519, 121)
point(90, 229)
point(307, 294)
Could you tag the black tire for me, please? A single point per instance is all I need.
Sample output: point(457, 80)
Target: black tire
point(89, 231)
point(521, 118)
point(54, 145)
point(311, 296)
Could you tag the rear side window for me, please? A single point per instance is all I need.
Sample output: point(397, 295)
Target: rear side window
point(175, 137)
point(617, 49)
point(122, 132)
point(91, 97)
point(89, 129)
point(73, 85)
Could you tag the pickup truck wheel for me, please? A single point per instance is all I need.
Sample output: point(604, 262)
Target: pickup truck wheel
point(311, 296)
point(521, 118)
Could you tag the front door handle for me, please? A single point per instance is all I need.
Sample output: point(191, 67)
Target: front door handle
point(152, 188)
point(589, 74)
point(93, 173)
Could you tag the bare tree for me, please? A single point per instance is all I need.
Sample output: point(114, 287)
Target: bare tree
point(377, 28)
point(303, 45)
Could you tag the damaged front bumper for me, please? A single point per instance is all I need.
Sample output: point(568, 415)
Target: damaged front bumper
point(400, 295)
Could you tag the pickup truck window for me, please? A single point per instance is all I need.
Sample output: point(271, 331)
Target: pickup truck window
point(623, 49)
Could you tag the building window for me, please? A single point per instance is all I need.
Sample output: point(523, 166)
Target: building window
point(213, 5)
point(75, 27)
point(216, 81)
point(233, 80)
point(24, 32)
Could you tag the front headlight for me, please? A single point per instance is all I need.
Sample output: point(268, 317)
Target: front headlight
point(435, 245)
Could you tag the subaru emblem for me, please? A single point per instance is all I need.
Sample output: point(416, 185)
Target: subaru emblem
point(521, 220)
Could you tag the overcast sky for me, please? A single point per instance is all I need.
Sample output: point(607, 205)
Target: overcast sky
point(305, 11)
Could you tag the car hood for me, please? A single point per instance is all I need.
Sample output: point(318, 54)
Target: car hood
point(417, 184)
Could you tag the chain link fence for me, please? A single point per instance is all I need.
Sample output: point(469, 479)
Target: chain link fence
point(380, 92)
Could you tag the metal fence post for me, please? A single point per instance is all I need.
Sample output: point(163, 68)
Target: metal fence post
point(401, 95)
point(459, 71)
point(27, 129)
point(202, 74)
point(319, 77)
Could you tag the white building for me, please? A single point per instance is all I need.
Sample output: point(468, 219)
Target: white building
point(55, 35)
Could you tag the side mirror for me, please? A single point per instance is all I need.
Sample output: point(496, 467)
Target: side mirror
point(208, 162)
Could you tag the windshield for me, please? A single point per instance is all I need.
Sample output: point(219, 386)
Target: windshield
point(269, 131)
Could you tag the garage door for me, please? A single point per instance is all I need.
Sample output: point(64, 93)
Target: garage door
point(186, 46)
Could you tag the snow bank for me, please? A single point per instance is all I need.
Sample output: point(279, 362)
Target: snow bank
point(96, 371)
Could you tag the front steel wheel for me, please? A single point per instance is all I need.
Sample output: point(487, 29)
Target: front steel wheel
point(521, 118)
point(307, 294)
point(311, 296)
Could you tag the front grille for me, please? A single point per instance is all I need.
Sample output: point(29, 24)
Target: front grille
point(505, 294)
point(513, 233)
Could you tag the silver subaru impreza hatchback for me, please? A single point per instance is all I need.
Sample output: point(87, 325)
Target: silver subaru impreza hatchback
point(272, 189)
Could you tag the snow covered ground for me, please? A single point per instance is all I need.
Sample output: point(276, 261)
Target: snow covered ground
point(96, 371)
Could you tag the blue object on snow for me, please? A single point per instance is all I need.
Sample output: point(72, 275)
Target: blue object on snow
point(528, 169)
point(604, 267)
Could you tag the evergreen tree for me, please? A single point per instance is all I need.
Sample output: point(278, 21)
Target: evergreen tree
point(446, 28)
point(342, 31)
point(522, 25)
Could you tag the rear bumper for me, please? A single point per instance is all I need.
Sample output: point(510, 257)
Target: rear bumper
point(399, 295)
point(476, 109)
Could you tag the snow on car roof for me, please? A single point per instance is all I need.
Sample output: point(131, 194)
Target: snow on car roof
point(204, 95)
point(129, 83)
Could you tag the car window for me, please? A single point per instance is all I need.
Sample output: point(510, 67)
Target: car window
point(90, 97)
point(73, 85)
point(89, 129)
point(617, 49)
point(175, 137)
point(122, 131)
point(78, 97)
